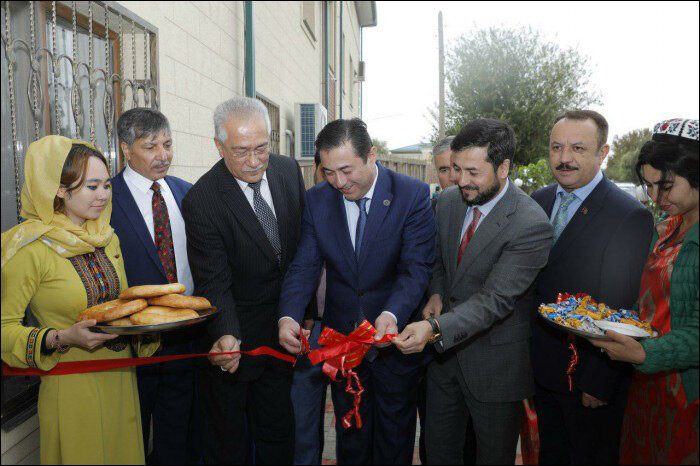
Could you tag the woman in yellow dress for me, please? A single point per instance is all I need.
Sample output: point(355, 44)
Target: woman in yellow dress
point(64, 258)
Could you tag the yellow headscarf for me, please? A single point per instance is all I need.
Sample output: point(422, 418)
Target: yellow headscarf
point(42, 175)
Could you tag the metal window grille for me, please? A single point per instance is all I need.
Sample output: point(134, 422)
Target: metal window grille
point(70, 68)
point(274, 112)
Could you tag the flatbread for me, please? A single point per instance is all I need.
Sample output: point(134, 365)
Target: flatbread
point(180, 302)
point(123, 322)
point(112, 310)
point(161, 315)
point(151, 291)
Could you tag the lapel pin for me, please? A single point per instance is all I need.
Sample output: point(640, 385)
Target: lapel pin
point(387, 202)
point(584, 210)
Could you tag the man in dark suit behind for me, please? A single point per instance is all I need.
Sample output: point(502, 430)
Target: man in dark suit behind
point(243, 221)
point(602, 238)
point(492, 240)
point(147, 219)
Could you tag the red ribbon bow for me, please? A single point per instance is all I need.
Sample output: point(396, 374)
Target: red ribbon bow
point(344, 353)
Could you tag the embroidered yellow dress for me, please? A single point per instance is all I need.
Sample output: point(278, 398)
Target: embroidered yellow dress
point(89, 418)
point(59, 268)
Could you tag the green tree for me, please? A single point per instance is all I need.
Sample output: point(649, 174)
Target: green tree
point(624, 152)
point(516, 76)
point(382, 148)
point(534, 176)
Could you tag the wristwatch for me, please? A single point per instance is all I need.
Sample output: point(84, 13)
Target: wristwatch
point(437, 335)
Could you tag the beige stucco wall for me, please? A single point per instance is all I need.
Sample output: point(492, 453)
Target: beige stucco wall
point(201, 63)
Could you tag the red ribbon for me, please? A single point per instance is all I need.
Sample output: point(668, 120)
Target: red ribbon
point(98, 365)
point(343, 353)
point(573, 362)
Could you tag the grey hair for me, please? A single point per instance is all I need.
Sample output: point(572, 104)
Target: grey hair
point(140, 122)
point(239, 107)
point(442, 146)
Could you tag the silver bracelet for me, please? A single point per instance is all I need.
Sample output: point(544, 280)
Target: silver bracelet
point(59, 347)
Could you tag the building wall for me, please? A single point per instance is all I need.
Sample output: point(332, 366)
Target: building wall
point(201, 63)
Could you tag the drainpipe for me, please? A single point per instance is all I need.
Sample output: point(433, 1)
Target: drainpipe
point(362, 57)
point(249, 51)
point(342, 59)
point(325, 55)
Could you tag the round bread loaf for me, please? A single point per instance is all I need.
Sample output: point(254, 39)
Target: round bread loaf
point(114, 309)
point(151, 291)
point(161, 315)
point(180, 301)
point(123, 322)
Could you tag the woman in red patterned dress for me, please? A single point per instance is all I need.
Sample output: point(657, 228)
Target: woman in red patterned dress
point(661, 423)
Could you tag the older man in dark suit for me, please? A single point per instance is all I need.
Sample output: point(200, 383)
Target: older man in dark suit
point(243, 222)
point(492, 241)
point(602, 239)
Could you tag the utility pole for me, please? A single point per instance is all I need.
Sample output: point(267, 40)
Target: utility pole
point(441, 104)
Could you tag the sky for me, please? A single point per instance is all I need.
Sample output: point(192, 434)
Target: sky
point(644, 58)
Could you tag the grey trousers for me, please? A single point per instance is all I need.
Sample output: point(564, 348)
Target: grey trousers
point(450, 404)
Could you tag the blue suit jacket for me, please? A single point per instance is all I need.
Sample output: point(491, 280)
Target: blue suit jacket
point(394, 266)
point(141, 261)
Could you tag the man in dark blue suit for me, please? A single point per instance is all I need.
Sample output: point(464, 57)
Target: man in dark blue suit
point(601, 239)
point(375, 231)
point(147, 219)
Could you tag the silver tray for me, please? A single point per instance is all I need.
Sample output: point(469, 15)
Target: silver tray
point(205, 314)
point(575, 331)
point(592, 336)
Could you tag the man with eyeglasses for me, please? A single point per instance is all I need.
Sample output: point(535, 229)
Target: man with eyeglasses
point(243, 220)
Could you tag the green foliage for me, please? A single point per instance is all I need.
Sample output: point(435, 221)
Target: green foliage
point(382, 148)
point(625, 150)
point(516, 76)
point(534, 176)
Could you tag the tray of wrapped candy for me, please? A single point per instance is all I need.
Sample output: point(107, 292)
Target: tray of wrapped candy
point(581, 315)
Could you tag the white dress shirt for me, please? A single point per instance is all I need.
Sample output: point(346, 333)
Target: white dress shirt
point(484, 209)
point(264, 192)
point(581, 194)
point(352, 210)
point(142, 193)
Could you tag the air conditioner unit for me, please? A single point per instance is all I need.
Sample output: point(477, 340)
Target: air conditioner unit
point(361, 72)
point(309, 120)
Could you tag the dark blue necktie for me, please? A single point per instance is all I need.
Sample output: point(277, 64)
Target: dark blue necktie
point(360, 230)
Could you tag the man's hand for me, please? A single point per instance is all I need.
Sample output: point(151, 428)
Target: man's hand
point(384, 324)
point(621, 348)
point(226, 344)
point(414, 337)
point(289, 335)
point(589, 401)
point(433, 307)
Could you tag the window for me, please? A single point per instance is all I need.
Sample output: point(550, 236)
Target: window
point(274, 112)
point(308, 18)
point(58, 101)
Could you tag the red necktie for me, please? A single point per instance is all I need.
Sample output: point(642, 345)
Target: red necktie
point(476, 215)
point(163, 234)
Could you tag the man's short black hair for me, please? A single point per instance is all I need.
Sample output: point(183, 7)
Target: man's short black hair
point(600, 122)
point(317, 158)
point(497, 136)
point(139, 122)
point(338, 132)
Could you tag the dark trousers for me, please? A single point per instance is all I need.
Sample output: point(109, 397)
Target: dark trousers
point(469, 437)
point(267, 402)
point(309, 400)
point(571, 433)
point(166, 392)
point(388, 411)
point(450, 404)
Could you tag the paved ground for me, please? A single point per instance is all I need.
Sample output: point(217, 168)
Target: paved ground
point(329, 437)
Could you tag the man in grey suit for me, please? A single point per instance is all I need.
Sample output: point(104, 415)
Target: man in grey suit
point(492, 240)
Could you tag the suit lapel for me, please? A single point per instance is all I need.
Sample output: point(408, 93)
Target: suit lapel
point(489, 229)
point(586, 213)
point(458, 211)
point(241, 209)
point(125, 201)
point(381, 202)
point(278, 188)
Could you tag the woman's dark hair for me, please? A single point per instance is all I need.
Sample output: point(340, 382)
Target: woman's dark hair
point(678, 159)
point(74, 170)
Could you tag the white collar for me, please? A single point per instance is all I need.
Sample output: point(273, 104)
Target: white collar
point(244, 184)
point(142, 183)
point(583, 192)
